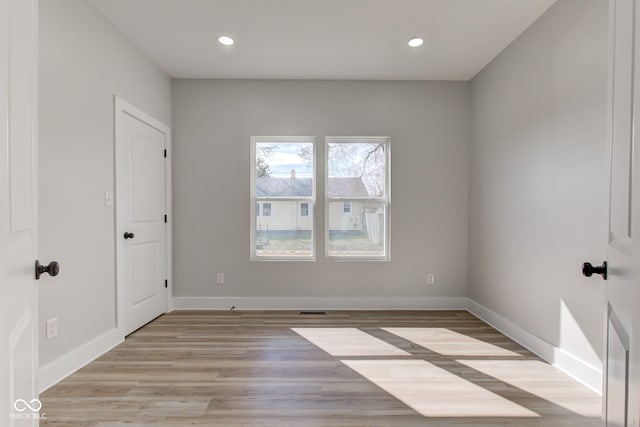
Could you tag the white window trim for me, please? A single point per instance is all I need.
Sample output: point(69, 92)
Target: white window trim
point(311, 200)
point(270, 209)
point(386, 199)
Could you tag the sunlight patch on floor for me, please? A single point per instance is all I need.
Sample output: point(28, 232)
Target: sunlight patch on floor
point(449, 343)
point(434, 392)
point(348, 342)
point(544, 381)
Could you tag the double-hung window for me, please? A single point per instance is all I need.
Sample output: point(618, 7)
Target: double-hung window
point(304, 209)
point(283, 196)
point(263, 209)
point(357, 182)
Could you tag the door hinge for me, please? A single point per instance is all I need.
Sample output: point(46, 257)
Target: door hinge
point(166, 283)
point(165, 219)
point(165, 153)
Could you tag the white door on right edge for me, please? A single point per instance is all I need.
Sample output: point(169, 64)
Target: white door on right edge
point(622, 351)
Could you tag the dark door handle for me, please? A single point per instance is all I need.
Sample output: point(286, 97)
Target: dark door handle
point(588, 269)
point(128, 235)
point(52, 269)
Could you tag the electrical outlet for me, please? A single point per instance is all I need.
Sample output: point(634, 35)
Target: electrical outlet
point(220, 278)
point(431, 279)
point(52, 328)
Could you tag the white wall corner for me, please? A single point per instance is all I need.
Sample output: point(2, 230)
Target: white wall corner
point(319, 303)
point(57, 370)
point(579, 370)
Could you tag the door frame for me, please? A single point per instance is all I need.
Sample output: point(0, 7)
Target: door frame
point(122, 107)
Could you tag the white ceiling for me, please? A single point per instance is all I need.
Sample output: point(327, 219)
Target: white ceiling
point(323, 39)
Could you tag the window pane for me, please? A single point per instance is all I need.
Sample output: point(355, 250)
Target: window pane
point(304, 209)
point(284, 233)
point(284, 169)
point(360, 234)
point(266, 209)
point(357, 169)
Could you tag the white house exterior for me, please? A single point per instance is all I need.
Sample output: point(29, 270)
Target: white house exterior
point(297, 216)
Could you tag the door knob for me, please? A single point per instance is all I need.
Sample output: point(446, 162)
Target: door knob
point(588, 269)
point(52, 269)
point(128, 235)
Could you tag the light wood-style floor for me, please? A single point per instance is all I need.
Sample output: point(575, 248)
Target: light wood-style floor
point(212, 368)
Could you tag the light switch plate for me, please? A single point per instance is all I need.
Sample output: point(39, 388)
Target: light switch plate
point(108, 198)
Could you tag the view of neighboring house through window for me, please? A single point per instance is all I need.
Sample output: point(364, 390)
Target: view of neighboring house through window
point(357, 197)
point(283, 193)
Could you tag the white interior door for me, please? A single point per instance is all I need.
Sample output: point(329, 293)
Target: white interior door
point(18, 218)
point(141, 188)
point(622, 355)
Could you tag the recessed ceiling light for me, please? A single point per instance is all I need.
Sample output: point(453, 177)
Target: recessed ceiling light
point(225, 40)
point(415, 42)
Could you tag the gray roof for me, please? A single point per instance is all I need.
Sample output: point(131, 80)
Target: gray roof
point(283, 187)
point(301, 187)
point(347, 187)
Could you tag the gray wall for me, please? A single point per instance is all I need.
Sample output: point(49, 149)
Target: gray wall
point(537, 178)
point(213, 123)
point(84, 61)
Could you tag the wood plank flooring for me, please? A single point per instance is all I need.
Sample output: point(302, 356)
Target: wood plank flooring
point(420, 368)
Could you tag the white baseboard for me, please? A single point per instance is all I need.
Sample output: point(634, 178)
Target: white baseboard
point(531, 342)
point(318, 303)
point(579, 370)
point(582, 372)
point(57, 370)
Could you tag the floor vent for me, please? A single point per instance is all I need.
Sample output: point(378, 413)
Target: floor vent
point(317, 313)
